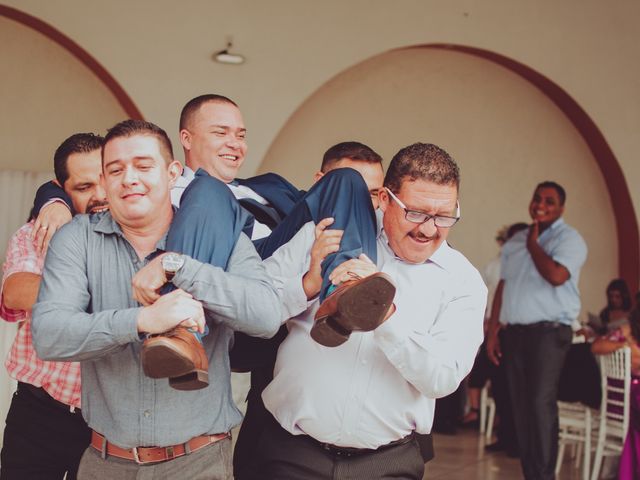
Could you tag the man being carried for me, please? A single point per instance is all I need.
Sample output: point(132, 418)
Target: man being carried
point(86, 312)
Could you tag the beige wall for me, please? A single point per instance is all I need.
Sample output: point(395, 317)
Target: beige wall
point(160, 52)
point(505, 134)
point(46, 95)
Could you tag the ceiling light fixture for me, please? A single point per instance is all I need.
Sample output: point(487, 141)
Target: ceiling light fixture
point(225, 56)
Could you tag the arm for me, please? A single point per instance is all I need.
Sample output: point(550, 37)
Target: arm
point(243, 298)
point(52, 208)
point(63, 329)
point(437, 360)
point(604, 346)
point(20, 291)
point(287, 267)
point(46, 193)
point(552, 271)
point(494, 352)
point(21, 279)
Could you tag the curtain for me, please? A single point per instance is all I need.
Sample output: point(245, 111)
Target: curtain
point(17, 190)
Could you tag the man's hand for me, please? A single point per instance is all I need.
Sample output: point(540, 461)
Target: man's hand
point(352, 269)
point(50, 219)
point(494, 352)
point(169, 311)
point(148, 280)
point(326, 242)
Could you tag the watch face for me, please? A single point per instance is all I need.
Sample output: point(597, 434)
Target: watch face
point(172, 262)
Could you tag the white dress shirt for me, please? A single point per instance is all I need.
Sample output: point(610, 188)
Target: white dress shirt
point(379, 386)
point(260, 230)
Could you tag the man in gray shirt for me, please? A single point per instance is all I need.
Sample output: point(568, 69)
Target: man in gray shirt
point(86, 312)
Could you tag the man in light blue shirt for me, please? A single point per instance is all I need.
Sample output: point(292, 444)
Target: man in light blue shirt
point(537, 299)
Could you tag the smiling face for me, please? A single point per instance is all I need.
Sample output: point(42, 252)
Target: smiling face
point(137, 179)
point(415, 243)
point(84, 183)
point(214, 140)
point(545, 207)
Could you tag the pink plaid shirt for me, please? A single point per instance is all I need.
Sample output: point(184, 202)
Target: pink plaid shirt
point(61, 380)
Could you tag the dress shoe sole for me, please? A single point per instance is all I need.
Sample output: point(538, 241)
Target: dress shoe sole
point(362, 307)
point(160, 359)
point(194, 380)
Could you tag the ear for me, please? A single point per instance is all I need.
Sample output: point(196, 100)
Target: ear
point(383, 198)
point(317, 176)
point(174, 170)
point(185, 139)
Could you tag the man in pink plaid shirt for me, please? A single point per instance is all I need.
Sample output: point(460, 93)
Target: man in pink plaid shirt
point(45, 434)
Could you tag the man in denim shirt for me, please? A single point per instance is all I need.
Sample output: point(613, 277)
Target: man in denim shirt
point(86, 312)
point(537, 299)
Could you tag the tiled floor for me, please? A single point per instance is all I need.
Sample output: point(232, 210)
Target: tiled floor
point(462, 457)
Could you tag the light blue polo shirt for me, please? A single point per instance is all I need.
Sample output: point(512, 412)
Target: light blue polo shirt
point(527, 297)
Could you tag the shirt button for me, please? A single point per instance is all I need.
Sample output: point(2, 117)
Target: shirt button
point(147, 413)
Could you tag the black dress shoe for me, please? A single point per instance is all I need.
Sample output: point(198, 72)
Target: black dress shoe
point(494, 447)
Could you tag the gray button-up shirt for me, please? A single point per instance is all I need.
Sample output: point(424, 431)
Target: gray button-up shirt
point(85, 312)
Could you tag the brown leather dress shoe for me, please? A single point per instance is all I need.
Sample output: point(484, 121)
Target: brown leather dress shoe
point(360, 305)
point(177, 355)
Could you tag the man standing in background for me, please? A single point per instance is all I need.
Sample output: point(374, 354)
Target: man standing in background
point(537, 299)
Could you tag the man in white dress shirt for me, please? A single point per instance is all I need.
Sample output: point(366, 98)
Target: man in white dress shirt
point(351, 411)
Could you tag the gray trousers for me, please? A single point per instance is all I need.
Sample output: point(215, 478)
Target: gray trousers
point(212, 462)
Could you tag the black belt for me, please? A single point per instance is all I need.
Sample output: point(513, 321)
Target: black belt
point(352, 452)
point(41, 394)
point(532, 326)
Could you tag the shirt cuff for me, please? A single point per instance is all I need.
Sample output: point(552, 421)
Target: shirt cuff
point(294, 300)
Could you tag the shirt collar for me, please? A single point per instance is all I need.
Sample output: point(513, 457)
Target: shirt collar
point(107, 225)
point(554, 226)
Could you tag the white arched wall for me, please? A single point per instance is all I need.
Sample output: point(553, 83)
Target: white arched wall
point(505, 134)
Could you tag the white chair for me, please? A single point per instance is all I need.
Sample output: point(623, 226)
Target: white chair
point(576, 427)
point(614, 411)
point(487, 412)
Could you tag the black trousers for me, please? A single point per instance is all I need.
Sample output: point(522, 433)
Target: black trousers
point(298, 457)
point(534, 356)
point(506, 431)
point(42, 439)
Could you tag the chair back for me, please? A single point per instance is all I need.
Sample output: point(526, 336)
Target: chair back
point(615, 371)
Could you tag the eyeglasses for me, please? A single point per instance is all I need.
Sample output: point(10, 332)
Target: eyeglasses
point(415, 216)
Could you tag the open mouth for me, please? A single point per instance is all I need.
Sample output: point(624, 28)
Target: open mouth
point(100, 209)
point(420, 239)
point(232, 158)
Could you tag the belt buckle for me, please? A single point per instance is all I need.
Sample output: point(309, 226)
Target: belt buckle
point(136, 457)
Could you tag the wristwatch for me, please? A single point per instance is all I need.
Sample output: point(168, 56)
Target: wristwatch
point(171, 263)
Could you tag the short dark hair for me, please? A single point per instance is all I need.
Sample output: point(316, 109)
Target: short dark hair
point(193, 105)
point(129, 128)
point(557, 187)
point(352, 150)
point(422, 161)
point(620, 285)
point(76, 143)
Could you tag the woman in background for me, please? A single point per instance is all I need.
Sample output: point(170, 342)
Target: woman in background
point(628, 334)
point(616, 313)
